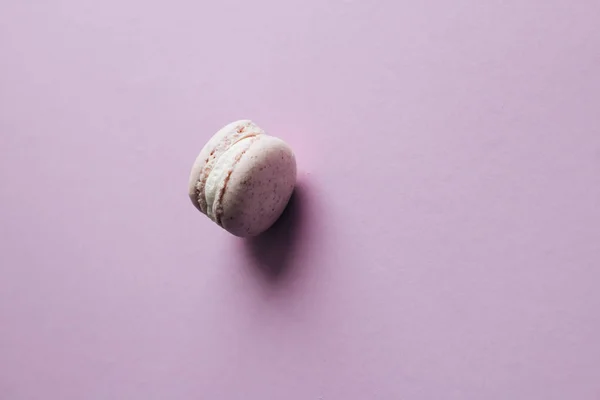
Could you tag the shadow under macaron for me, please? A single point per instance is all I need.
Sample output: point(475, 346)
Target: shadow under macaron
point(271, 253)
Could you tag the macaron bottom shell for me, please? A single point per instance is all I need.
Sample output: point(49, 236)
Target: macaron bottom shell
point(258, 188)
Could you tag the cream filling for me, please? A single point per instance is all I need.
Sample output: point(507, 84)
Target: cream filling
point(218, 144)
point(219, 175)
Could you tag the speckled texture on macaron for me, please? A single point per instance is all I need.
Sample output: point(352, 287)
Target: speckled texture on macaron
point(243, 178)
point(259, 188)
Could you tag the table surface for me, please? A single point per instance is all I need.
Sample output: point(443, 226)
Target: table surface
point(443, 243)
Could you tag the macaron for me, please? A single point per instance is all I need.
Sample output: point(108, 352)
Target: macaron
point(243, 178)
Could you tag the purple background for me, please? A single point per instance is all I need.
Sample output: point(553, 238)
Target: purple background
point(443, 243)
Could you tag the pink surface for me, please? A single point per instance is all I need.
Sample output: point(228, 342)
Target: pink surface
point(444, 243)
